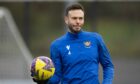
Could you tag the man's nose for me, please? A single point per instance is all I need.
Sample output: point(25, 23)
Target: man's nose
point(77, 20)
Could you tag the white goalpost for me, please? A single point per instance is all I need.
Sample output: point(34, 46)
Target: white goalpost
point(15, 58)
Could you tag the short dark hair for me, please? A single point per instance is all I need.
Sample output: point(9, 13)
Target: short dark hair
point(73, 7)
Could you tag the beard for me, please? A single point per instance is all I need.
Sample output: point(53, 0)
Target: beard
point(74, 29)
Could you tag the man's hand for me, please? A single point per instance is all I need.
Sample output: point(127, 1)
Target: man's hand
point(40, 81)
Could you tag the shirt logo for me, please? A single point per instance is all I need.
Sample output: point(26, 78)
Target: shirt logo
point(87, 44)
point(68, 48)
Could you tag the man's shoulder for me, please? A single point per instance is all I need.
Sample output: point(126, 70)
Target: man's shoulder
point(92, 34)
point(58, 41)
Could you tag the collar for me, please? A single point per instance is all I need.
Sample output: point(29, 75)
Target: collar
point(74, 35)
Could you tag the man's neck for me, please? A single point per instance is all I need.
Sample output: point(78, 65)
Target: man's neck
point(73, 32)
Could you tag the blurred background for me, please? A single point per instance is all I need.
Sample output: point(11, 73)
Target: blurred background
point(41, 22)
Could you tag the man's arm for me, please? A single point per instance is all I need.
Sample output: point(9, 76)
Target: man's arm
point(105, 60)
point(55, 56)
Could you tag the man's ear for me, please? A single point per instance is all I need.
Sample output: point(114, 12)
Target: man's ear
point(66, 19)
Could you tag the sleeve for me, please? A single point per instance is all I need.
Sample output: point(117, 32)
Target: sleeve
point(55, 56)
point(106, 62)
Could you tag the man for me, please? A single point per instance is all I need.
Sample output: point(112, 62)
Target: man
point(77, 54)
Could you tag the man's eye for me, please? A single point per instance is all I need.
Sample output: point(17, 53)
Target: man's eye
point(74, 18)
point(80, 18)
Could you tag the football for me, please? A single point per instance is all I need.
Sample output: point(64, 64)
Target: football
point(42, 68)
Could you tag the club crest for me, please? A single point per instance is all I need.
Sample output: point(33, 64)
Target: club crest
point(87, 44)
